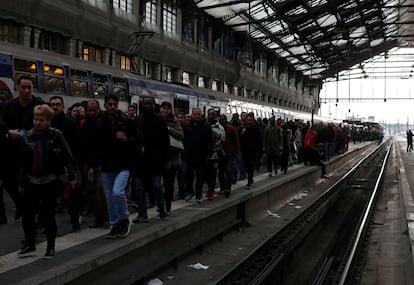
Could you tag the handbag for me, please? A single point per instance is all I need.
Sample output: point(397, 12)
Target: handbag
point(176, 145)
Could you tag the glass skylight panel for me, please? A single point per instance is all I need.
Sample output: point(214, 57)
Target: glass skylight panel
point(284, 54)
point(293, 60)
point(339, 42)
point(316, 3)
point(314, 71)
point(257, 34)
point(351, 17)
point(297, 50)
point(302, 67)
point(260, 15)
point(236, 20)
point(276, 28)
point(273, 45)
point(296, 11)
point(266, 41)
point(360, 42)
point(347, 5)
point(288, 39)
point(308, 23)
point(358, 32)
point(316, 34)
point(327, 20)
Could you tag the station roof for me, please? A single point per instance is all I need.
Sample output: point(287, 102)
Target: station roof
point(320, 38)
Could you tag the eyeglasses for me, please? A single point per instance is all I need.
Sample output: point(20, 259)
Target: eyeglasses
point(55, 104)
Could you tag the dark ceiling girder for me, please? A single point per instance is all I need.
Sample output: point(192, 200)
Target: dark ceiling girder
point(322, 39)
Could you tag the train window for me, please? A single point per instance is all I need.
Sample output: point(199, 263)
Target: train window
point(100, 85)
point(54, 82)
point(79, 83)
point(181, 106)
point(119, 88)
point(26, 67)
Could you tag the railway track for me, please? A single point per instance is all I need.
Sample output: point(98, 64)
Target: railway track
point(322, 244)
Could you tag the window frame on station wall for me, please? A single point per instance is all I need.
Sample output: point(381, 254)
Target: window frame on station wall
point(126, 6)
point(169, 17)
point(151, 12)
point(52, 42)
point(93, 53)
point(9, 31)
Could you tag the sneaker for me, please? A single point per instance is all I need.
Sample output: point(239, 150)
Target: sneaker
point(210, 196)
point(248, 186)
point(199, 200)
point(325, 176)
point(124, 228)
point(25, 250)
point(270, 174)
point(188, 197)
point(113, 233)
point(140, 220)
point(227, 193)
point(50, 253)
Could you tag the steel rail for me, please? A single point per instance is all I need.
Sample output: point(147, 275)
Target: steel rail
point(365, 222)
point(272, 264)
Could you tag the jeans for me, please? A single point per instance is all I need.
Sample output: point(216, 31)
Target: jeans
point(114, 184)
point(148, 181)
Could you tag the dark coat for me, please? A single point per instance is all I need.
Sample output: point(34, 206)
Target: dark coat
point(70, 130)
point(17, 117)
point(3, 144)
point(198, 142)
point(112, 154)
point(250, 139)
point(156, 149)
point(88, 135)
point(60, 158)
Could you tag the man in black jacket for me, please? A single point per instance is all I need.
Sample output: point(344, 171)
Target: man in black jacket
point(70, 130)
point(18, 117)
point(115, 144)
point(155, 158)
point(198, 149)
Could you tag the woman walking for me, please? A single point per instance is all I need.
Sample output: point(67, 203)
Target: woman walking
point(44, 157)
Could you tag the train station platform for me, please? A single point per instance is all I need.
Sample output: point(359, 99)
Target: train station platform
point(406, 182)
point(87, 257)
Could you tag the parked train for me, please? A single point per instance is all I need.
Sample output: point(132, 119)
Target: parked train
point(77, 80)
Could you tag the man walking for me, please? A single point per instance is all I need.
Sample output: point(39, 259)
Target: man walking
point(117, 139)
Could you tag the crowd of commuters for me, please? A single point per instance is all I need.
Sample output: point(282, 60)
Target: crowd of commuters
point(93, 162)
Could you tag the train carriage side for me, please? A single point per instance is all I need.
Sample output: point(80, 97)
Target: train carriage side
point(74, 79)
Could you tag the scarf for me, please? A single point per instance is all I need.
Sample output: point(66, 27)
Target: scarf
point(40, 151)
